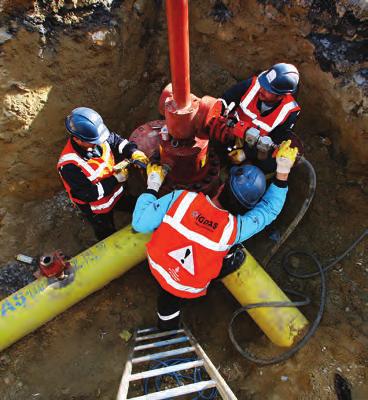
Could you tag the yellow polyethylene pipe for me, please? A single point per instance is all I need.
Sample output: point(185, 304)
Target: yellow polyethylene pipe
point(251, 284)
point(40, 301)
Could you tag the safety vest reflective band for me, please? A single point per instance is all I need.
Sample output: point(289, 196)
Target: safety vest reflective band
point(95, 169)
point(172, 282)
point(186, 251)
point(248, 111)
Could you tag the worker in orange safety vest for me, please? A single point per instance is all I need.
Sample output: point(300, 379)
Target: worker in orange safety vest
point(93, 169)
point(192, 234)
point(266, 107)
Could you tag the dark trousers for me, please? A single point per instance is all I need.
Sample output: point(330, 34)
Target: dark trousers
point(168, 310)
point(103, 224)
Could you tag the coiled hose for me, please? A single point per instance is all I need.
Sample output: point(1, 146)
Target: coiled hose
point(308, 200)
point(285, 264)
point(321, 270)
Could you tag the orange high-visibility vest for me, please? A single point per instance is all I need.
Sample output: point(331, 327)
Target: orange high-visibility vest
point(187, 250)
point(94, 169)
point(249, 113)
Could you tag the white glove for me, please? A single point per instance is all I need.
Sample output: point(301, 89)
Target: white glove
point(140, 156)
point(121, 171)
point(122, 175)
point(237, 156)
point(155, 176)
point(285, 157)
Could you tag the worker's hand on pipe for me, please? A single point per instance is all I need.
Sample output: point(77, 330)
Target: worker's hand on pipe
point(156, 174)
point(121, 165)
point(122, 175)
point(285, 157)
point(121, 171)
point(140, 156)
point(237, 156)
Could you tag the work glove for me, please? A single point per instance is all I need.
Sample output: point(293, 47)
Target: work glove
point(121, 171)
point(285, 157)
point(237, 156)
point(138, 155)
point(155, 176)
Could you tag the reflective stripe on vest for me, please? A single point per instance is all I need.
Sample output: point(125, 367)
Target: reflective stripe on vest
point(104, 203)
point(170, 281)
point(108, 203)
point(256, 119)
point(92, 174)
point(186, 251)
point(175, 222)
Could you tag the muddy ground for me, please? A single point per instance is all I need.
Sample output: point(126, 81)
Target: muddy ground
point(80, 355)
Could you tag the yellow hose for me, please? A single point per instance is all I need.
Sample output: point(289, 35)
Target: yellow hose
point(251, 284)
point(40, 301)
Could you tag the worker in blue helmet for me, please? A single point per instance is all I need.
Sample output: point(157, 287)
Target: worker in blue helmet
point(193, 234)
point(93, 169)
point(265, 104)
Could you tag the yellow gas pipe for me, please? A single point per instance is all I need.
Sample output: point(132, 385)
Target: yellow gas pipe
point(40, 301)
point(251, 284)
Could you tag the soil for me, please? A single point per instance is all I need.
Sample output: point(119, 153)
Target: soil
point(80, 355)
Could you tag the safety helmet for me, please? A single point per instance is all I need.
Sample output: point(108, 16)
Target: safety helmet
point(247, 184)
point(87, 125)
point(280, 79)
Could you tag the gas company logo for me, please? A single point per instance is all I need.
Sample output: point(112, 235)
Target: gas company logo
point(203, 221)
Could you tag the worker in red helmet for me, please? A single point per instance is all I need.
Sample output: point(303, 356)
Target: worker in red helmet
point(266, 105)
point(93, 169)
point(192, 234)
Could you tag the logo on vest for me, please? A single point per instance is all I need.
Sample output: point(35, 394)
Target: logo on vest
point(203, 221)
point(184, 256)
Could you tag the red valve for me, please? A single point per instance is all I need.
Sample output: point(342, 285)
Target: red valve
point(54, 265)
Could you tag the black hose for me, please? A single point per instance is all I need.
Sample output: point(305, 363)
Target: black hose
point(285, 264)
point(328, 266)
point(302, 211)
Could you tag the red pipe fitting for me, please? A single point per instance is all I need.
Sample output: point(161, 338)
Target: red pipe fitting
point(178, 30)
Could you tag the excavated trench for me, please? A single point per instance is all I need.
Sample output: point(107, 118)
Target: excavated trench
point(112, 56)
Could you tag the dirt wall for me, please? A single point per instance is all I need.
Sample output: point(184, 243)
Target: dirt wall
point(112, 56)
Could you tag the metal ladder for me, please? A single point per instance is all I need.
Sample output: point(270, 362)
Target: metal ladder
point(184, 338)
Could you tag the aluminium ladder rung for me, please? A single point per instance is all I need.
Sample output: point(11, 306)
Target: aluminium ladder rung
point(177, 391)
point(157, 335)
point(166, 370)
point(162, 343)
point(214, 377)
point(162, 354)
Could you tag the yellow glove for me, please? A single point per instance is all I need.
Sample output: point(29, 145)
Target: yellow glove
point(140, 156)
point(121, 171)
point(237, 156)
point(122, 175)
point(285, 157)
point(121, 165)
point(155, 176)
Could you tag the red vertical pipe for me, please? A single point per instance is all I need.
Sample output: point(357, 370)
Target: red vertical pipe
point(178, 30)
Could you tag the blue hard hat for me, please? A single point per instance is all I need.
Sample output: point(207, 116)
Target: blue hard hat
point(87, 125)
point(280, 79)
point(247, 184)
